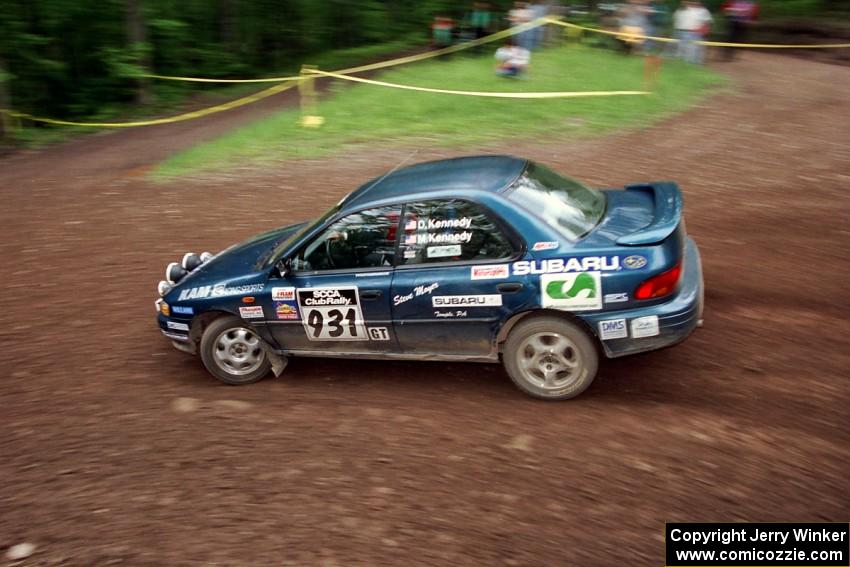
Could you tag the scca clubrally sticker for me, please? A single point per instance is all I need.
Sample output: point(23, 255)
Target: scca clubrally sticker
point(332, 314)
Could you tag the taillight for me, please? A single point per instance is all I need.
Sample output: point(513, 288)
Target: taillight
point(660, 285)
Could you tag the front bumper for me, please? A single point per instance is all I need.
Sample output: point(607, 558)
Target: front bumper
point(677, 318)
point(179, 337)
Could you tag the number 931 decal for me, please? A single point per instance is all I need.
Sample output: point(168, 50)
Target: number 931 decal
point(332, 314)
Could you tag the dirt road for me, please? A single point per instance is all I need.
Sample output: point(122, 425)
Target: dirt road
point(118, 449)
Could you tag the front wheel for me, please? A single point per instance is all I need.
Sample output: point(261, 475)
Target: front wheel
point(550, 358)
point(233, 353)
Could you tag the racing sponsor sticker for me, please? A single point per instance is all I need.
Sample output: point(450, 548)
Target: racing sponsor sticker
point(544, 246)
point(218, 290)
point(613, 329)
point(332, 313)
point(424, 289)
point(494, 300)
point(491, 272)
point(615, 297)
point(379, 334)
point(564, 265)
point(283, 294)
point(443, 251)
point(644, 327)
point(253, 312)
point(572, 292)
point(285, 310)
point(177, 326)
point(634, 262)
point(181, 310)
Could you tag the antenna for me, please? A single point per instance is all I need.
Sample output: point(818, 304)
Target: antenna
point(393, 170)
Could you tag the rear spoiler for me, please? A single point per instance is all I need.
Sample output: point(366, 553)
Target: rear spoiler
point(668, 214)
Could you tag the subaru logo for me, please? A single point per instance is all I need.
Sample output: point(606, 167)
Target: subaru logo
point(634, 262)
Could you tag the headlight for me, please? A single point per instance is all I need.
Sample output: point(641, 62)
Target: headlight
point(163, 287)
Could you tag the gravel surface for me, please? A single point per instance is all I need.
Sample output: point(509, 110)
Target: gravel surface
point(118, 449)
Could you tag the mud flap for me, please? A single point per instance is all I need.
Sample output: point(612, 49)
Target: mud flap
point(278, 361)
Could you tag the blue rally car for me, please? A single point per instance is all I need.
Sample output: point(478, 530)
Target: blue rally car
point(490, 258)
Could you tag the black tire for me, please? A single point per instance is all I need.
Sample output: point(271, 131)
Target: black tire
point(232, 352)
point(550, 358)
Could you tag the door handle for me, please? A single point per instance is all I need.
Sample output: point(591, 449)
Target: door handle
point(371, 294)
point(510, 287)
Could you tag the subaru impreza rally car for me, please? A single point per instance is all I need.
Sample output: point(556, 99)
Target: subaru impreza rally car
point(488, 258)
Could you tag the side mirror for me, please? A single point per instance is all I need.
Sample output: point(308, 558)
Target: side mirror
point(284, 267)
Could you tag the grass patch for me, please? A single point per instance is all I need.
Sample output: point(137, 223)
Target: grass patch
point(372, 114)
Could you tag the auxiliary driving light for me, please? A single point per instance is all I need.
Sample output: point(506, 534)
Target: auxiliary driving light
point(191, 261)
point(174, 273)
point(206, 257)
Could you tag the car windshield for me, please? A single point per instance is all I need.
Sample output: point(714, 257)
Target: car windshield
point(564, 203)
point(278, 250)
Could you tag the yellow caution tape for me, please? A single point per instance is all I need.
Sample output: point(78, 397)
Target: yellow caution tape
point(479, 93)
point(202, 80)
point(179, 118)
point(632, 37)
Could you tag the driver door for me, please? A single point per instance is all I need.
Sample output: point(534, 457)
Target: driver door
point(336, 296)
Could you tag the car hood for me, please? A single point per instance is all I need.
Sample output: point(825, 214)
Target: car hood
point(241, 260)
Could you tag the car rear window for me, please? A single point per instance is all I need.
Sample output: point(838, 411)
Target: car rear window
point(563, 203)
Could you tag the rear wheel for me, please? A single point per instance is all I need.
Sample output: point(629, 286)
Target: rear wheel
point(550, 358)
point(232, 352)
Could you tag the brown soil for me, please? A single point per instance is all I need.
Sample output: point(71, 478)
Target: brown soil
point(118, 449)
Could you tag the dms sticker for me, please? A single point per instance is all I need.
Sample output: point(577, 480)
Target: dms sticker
point(645, 327)
point(283, 293)
point(634, 262)
point(285, 310)
point(332, 314)
point(493, 272)
point(613, 329)
point(254, 312)
point(572, 292)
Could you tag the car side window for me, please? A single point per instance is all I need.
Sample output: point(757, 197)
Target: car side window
point(366, 239)
point(450, 230)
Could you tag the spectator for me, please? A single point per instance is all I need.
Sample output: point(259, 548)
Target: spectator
point(740, 14)
point(521, 14)
point(634, 21)
point(512, 60)
point(692, 22)
point(538, 10)
point(480, 19)
point(441, 31)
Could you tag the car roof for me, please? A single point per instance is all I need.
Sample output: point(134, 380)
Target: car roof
point(473, 173)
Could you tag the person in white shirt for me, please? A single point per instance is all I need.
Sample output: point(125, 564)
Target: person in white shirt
point(512, 60)
point(692, 22)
